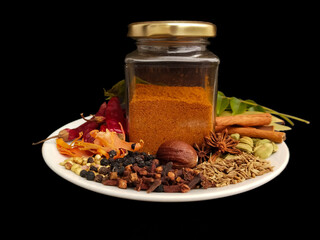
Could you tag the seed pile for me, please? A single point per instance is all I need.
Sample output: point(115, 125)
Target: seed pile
point(233, 169)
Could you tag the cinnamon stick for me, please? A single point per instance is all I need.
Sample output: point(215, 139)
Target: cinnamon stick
point(248, 120)
point(277, 137)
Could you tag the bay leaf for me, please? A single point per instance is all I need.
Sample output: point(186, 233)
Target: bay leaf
point(237, 106)
point(222, 103)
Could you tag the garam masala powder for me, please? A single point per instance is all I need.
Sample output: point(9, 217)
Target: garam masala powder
point(161, 113)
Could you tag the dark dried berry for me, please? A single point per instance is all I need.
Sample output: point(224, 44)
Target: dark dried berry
point(139, 158)
point(83, 173)
point(126, 162)
point(120, 160)
point(141, 164)
point(90, 160)
point(104, 162)
point(131, 159)
point(112, 153)
point(114, 164)
point(93, 168)
point(151, 157)
point(90, 176)
point(148, 163)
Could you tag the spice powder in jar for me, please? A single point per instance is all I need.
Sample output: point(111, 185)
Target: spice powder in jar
point(171, 82)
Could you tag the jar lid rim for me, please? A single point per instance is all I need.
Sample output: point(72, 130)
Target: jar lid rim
point(171, 29)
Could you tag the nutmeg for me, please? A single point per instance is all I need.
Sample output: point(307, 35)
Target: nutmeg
point(180, 153)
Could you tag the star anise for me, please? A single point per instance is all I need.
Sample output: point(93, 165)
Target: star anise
point(202, 152)
point(220, 143)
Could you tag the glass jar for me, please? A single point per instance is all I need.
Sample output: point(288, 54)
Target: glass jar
point(171, 82)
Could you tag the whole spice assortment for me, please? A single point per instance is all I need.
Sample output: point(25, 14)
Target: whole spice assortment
point(224, 158)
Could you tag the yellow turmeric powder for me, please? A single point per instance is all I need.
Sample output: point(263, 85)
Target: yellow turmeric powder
point(161, 113)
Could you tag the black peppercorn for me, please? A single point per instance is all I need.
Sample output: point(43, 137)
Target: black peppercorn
point(141, 164)
point(83, 173)
point(104, 162)
point(90, 176)
point(90, 160)
point(126, 162)
point(148, 163)
point(139, 158)
point(112, 153)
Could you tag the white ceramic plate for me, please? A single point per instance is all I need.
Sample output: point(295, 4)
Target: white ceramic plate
point(52, 158)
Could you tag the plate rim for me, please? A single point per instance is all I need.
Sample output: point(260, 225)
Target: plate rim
point(193, 195)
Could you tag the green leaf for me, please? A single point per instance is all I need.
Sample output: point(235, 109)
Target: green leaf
point(222, 103)
point(254, 106)
point(237, 106)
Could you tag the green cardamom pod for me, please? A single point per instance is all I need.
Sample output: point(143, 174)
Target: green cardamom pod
point(246, 140)
point(235, 136)
point(262, 141)
point(263, 150)
point(244, 147)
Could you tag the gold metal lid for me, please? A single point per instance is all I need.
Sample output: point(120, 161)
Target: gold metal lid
point(171, 29)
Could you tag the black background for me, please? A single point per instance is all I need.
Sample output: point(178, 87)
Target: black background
point(73, 52)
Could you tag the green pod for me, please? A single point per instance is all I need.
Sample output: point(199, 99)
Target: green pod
point(247, 140)
point(263, 150)
point(262, 141)
point(244, 147)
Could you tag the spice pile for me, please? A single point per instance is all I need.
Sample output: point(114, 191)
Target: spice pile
point(140, 171)
point(225, 159)
point(233, 169)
